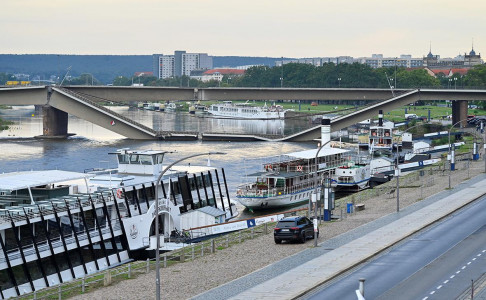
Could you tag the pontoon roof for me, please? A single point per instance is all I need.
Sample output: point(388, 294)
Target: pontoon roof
point(22, 180)
point(309, 154)
point(141, 152)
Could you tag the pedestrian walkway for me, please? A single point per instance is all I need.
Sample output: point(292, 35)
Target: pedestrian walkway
point(314, 266)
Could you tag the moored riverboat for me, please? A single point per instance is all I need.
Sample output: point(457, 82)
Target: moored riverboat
point(56, 226)
point(246, 110)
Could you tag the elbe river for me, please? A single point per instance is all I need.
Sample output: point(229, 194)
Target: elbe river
point(91, 145)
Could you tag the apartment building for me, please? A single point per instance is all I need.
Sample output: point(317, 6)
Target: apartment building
point(181, 63)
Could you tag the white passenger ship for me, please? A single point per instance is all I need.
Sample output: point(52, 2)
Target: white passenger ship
point(246, 110)
point(56, 225)
point(289, 180)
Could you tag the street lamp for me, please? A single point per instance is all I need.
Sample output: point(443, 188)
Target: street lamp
point(325, 134)
point(451, 151)
point(450, 83)
point(397, 169)
point(157, 234)
point(455, 83)
point(339, 82)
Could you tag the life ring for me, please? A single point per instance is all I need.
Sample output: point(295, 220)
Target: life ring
point(373, 133)
point(119, 193)
point(300, 168)
point(387, 133)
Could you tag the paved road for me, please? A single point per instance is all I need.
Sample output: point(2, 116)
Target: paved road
point(344, 251)
point(426, 264)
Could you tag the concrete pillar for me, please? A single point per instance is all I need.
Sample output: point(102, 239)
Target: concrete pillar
point(55, 122)
point(459, 112)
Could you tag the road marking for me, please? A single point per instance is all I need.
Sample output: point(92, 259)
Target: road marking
point(446, 281)
point(468, 263)
point(479, 254)
point(425, 298)
point(463, 268)
point(439, 287)
point(458, 272)
point(474, 258)
point(433, 292)
point(484, 251)
point(452, 276)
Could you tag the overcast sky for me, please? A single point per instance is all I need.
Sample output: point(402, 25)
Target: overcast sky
point(311, 28)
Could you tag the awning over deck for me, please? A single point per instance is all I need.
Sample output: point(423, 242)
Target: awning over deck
point(21, 180)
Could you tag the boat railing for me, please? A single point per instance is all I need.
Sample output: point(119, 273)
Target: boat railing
point(47, 207)
point(272, 192)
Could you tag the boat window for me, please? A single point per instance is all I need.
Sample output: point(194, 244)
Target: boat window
point(146, 159)
point(134, 159)
point(123, 159)
point(160, 158)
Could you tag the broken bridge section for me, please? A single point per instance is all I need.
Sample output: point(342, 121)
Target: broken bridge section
point(65, 102)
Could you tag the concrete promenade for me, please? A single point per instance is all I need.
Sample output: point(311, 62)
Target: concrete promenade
point(315, 266)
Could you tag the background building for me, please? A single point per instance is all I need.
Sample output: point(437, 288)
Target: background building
point(181, 63)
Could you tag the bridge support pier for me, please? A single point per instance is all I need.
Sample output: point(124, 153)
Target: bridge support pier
point(54, 122)
point(459, 112)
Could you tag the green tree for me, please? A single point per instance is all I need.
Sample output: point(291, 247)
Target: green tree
point(476, 77)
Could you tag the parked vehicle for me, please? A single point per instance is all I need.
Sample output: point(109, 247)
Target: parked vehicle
point(294, 229)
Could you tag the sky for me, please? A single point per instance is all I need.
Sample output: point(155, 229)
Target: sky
point(264, 28)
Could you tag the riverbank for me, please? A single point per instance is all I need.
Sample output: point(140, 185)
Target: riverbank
point(189, 279)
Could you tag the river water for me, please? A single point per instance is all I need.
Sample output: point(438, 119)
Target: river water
point(91, 145)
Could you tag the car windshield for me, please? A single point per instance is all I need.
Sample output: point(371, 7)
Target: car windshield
point(286, 224)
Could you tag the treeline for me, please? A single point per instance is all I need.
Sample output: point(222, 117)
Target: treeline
point(305, 76)
point(326, 76)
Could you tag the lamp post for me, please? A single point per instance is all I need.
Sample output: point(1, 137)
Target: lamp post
point(339, 82)
point(451, 153)
point(450, 83)
point(157, 234)
point(397, 169)
point(325, 133)
point(455, 83)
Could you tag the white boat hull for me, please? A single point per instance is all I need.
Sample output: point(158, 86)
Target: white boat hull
point(265, 202)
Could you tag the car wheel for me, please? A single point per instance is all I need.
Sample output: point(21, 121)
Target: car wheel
point(303, 237)
point(278, 241)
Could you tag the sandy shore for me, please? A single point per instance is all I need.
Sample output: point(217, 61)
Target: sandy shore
point(186, 280)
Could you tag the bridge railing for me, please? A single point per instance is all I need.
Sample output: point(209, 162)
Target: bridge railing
point(107, 110)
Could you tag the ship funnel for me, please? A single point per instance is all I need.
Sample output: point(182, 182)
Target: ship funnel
point(326, 132)
point(380, 118)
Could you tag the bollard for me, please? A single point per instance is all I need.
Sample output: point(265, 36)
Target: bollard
point(341, 214)
point(165, 261)
point(202, 249)
point(148, 266)
point(60, 292)
point(35, 295)
point(239, 236)
point(265, 228)
point(252, 232)
point(129, 270)
point(361, 286)
point(192, 252)
point(83, 284)
point(107, 278)
point(212, 246)
point(227, 241)
point(183, 255)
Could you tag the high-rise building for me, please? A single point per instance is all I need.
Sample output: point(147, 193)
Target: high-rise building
point(182, 63)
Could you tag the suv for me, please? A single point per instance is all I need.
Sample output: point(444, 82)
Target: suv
point(294, 229)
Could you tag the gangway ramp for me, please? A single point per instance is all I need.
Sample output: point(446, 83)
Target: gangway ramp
point(80, 106)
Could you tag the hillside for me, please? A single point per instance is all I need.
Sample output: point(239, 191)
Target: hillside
point(103, 67)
